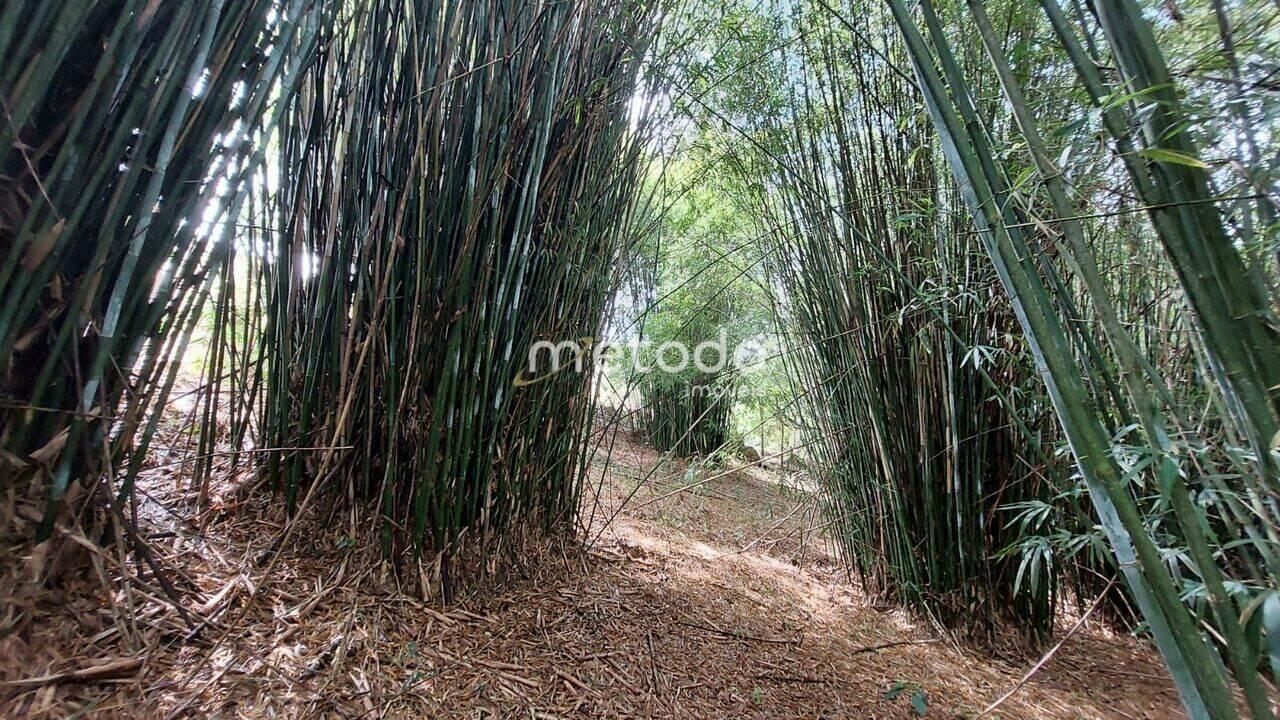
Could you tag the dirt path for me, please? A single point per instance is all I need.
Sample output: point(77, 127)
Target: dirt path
point(714, 602)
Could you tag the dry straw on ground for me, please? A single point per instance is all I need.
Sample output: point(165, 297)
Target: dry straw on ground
point(717, 602)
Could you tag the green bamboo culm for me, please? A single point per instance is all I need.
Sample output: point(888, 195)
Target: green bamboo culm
point(997, 211)
point(460, 186)
point(1235, 315)
point(1137, 373)
point(123, 162)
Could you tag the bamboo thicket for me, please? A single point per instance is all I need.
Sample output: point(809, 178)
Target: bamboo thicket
point(909, 362)
point(124, 162)
point(456, 184)
point(1231, 316)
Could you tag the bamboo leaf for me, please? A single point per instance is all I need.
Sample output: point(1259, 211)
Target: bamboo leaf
point(1172, 157)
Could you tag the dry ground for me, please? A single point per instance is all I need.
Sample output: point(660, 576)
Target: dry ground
point(716, 601)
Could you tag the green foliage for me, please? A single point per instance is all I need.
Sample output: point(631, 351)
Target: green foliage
point(936, 225)
point(1150, 334)
point(919, 698)
point(703, 305)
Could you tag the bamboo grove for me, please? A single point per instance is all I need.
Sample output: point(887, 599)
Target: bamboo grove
point(949, 224)
point(694, 310)
point(372, 209)
point(1020, 257)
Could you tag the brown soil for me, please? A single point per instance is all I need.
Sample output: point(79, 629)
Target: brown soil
point(716, 600)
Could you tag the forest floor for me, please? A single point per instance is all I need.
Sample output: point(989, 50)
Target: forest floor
point(709, 595)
